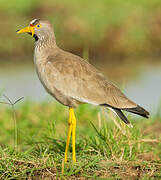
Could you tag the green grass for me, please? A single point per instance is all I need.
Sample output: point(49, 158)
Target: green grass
point(103, 150)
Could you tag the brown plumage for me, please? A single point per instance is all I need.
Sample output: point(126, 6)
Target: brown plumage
point(71, 79)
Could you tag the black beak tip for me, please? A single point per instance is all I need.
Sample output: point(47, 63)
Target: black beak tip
point(17, 30)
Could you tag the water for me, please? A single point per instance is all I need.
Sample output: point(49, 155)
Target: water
point(146, 91)
point(20, 80)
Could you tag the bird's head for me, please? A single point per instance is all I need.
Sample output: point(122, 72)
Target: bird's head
point(38, 29)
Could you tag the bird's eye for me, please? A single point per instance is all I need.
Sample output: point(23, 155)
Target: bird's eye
point(38, 26)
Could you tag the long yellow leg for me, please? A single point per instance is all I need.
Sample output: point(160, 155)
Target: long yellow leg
point(71, 128)
point(73, 134)
point(69, 134)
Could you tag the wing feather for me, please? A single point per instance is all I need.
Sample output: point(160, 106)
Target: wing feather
point(76, 78)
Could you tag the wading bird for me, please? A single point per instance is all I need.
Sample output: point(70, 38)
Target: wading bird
point(72, 81)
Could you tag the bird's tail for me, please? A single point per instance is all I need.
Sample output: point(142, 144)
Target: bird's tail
point(121, 115)
point(138, 110)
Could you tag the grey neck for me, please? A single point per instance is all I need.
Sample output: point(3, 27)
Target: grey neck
point(44, 42)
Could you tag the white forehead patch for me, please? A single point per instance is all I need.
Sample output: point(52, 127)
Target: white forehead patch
point(33, 21)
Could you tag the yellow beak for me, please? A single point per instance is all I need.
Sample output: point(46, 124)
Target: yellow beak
point(28, 29)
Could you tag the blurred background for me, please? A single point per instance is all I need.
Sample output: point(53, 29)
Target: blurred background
point(121, 38)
